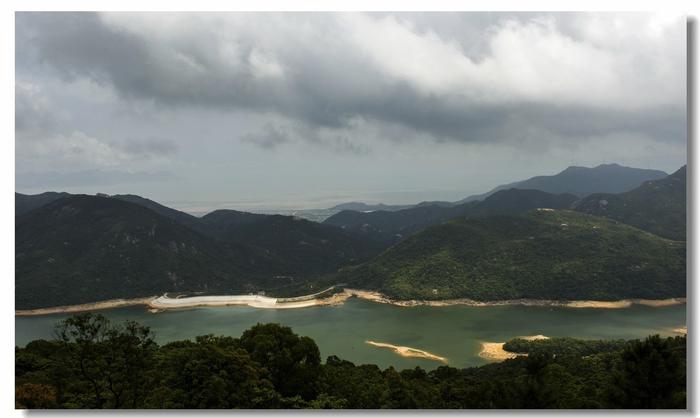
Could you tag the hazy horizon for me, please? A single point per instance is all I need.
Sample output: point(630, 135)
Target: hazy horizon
point(393, 197)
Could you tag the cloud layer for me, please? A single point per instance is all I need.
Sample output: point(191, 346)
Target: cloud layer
point(346, 81)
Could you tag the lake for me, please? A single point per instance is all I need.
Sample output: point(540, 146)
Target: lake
point(454, 332)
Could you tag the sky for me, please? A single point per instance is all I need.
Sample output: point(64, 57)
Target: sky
point(308, 110)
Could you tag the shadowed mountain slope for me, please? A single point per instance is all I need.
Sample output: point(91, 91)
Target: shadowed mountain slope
point(85, 248)
point(657, 206)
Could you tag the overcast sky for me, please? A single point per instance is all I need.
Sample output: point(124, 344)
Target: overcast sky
point(254, 110)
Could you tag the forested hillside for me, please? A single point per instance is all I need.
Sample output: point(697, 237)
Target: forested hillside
point(656, 206)
point(545, 254)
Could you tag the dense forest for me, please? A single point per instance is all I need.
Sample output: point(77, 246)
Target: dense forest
point(544, 254)
point(93, 363)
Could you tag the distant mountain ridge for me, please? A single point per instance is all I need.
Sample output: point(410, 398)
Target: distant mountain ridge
point(657, 206)
point(582, 181)
point(390, 227)
point(576, 180)
point(365, 207)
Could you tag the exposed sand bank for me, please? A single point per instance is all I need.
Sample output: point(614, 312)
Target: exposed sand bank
point(659, 303)
point(96, 306)
point(404, 351)
point(681, 330)
point(625, 303)
point(534, 337)
point(496, 352)
point(160, 303)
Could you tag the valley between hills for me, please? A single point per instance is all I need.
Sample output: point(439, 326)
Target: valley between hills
point(511, 245)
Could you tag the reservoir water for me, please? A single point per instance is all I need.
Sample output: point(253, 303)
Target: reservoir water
point(454, 332)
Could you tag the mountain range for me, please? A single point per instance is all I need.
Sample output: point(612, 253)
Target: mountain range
point(390, 227)
point(579, 181)
point(582, 181)
point(80, 248)
point(514, 243)
point(86, 248)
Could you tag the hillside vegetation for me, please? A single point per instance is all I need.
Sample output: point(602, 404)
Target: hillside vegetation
point(544, 254)
point(390, 227)
point(303, 246)
point(656, 206)
point(84, 249)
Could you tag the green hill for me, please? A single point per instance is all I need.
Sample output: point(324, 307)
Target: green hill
point(180, 217)
point(303, 246)
point(656, 206)
point(540, 255)
point(26, 202)
point(83, 248)
point(390, 227)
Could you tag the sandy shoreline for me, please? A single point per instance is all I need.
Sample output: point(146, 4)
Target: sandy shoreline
point(160, 303)
point(95, 306)
point(404, 351)
point(619, 304)
point(682, 330)
point(496, 352)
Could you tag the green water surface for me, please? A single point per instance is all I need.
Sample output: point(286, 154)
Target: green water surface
point(454, 332)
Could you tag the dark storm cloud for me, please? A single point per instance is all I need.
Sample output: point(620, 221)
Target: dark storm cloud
point(271, 136)
point(470, 80)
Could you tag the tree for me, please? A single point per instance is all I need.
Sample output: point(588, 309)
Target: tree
point(210, 373)
point(107, 361)
point(650, 374)
point(293, 361)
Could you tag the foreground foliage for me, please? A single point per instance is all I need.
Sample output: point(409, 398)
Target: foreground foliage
point(95, 364)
